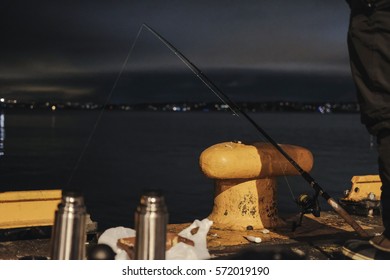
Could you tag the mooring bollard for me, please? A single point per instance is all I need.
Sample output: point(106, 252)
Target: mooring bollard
point(245, 182)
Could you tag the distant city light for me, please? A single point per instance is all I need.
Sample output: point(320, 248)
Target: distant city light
point(323, 108)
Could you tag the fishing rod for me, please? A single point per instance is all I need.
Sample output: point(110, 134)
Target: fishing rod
point(238, 111)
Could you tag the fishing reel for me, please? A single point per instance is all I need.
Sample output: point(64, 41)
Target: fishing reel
point(308, 205)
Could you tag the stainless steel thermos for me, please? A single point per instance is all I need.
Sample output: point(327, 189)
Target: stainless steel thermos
point(151, 219)
point(69, 230)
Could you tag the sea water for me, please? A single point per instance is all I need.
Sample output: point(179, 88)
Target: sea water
point(131, 151)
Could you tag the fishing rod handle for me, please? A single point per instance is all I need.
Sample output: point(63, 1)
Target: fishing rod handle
point(344, 214)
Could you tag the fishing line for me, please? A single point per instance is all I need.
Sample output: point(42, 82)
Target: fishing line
point(287, 182)
point(238, 111)
point(101, 112)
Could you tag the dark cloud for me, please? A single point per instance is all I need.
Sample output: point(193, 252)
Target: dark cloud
point(54, 45)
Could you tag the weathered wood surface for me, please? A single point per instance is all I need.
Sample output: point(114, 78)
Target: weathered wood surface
point(317, 238)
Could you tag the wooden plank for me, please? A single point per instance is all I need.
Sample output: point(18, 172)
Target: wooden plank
point(28, 208)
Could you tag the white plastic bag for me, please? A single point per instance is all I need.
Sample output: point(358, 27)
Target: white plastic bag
point(110, 237)
point(180, 251)
point(199, 251)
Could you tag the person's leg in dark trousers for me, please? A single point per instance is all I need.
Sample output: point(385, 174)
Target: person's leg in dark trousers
point(383, 138)
point(369, 50)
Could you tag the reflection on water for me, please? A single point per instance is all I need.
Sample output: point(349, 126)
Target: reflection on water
point(2, 133)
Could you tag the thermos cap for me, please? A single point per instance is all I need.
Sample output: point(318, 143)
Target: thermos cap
point(72, 197)
point(152, 197)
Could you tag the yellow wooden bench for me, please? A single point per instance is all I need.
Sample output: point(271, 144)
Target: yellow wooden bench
point(20, 209)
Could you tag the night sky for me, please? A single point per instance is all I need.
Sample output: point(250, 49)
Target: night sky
point(74, 50)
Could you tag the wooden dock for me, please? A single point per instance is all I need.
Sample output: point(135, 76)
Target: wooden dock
point(317, 238)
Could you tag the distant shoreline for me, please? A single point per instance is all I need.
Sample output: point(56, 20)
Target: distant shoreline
point(274, 106)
